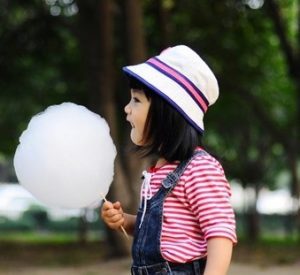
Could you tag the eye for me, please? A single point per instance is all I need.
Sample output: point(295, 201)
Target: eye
point(135, 99)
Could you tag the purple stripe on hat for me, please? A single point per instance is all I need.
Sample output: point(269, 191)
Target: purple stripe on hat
point(182, 80)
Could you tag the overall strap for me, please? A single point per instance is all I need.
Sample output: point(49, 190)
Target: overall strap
point(173, 177)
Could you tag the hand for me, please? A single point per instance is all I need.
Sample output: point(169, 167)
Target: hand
point(112, 214)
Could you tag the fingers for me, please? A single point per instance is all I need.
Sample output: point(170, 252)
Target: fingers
point(107, 205)
point(117, 205)
point(112, 214)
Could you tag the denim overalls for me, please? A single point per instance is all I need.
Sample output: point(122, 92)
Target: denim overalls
point(147, 258)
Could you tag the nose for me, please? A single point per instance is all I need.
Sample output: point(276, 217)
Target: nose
point(127, 109)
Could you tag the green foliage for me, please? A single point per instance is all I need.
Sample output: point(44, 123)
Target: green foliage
point(240, 45)
point(37, 237)
point(41, 65)
point(276, 228)
point(37, 216)
point(35, 224)
point(7, 225)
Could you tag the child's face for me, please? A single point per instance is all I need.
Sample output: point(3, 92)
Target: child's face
point(137, 111)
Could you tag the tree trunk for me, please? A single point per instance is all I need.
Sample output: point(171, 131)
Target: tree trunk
point(253, 231)
point(251, 221)
point(82, 227)
point(163, 19)
point(135, 53)
point(135, 39)
point(96, 39)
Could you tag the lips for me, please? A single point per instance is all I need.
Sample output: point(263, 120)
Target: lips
point(132, 125)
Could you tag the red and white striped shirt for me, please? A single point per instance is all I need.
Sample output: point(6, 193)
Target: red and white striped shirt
point(197, 209)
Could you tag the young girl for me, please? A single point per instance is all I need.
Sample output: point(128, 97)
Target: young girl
point(185, 223)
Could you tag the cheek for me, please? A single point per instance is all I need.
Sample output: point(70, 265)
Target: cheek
point(144, 125)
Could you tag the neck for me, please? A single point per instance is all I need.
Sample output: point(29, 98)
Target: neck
point(160, 162)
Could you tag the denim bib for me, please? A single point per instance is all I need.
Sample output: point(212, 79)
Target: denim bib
point(146, 254)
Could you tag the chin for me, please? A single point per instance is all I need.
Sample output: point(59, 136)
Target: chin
point(137, 143)
point(135, 137)
point(134, 140)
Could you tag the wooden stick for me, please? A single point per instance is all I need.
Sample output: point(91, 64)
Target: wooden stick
point(122, 228)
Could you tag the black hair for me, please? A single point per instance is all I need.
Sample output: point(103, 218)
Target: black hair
point(167, 133)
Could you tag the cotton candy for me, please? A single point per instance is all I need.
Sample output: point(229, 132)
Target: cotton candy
point(65, 157)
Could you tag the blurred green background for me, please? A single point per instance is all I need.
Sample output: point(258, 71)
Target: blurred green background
point(53, 51)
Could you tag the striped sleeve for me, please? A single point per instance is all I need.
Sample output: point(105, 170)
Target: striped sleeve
point(208, 193)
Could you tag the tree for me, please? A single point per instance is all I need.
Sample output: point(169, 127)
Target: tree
point(290, 46)
point(98, 43)
point(38, 63)
point(95, 20)
point(242, 50)
point(57, 52)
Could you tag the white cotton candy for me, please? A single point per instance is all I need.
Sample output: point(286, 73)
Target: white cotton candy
point(66, 156)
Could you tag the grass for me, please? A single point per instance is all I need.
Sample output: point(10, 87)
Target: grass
point(40, 238)
point(63, 249)
point(48, 249)
point(47, 237)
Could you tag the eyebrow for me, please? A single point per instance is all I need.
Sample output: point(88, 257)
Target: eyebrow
point(137, 91)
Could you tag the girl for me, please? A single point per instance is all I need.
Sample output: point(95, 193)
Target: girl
point(185, 223)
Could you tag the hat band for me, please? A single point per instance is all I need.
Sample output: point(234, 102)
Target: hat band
point(182, 80)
